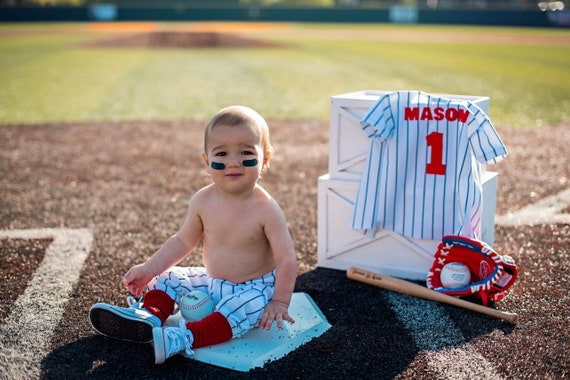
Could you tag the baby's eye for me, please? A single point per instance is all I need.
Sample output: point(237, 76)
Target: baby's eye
point(247, 153)
point(220, 154)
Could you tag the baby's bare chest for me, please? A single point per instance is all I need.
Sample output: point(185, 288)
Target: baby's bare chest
point(235, 227)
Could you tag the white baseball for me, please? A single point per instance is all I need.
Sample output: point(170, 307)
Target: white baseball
point(195, 305)
point(455, 275)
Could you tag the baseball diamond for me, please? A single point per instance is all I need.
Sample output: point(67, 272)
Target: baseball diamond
point(82, 201)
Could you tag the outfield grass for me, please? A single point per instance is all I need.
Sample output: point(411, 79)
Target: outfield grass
point(47, 76)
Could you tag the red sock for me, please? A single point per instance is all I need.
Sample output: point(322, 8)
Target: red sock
point(159, 303)
point(211, 330)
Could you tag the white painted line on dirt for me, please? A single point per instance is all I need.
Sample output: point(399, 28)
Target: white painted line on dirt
point(435, 334)
point(26, 333)
point(547, 210)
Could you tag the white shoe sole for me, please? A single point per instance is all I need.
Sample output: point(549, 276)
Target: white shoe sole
point(159, 345)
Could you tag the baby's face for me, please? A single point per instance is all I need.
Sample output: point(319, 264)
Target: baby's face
point(234, 153)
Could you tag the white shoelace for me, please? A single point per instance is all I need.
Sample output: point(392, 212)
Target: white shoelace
point(133, 302)
point(180, 339)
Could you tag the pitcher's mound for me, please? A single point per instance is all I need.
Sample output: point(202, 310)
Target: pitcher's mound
point(181, 40)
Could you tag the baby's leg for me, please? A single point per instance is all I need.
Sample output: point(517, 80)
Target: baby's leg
point(135, 323)
point(239, 309)
point(244, 310)
point(166, 290)
point(178, 281)
point(243, 304)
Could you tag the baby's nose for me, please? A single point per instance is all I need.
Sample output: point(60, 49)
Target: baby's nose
point(234, 162)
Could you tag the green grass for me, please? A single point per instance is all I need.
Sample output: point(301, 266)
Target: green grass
point(47, 76)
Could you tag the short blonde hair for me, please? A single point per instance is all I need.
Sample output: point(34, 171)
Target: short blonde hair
point(241, 115)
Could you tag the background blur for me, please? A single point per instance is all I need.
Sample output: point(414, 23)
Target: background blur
point(480, 12)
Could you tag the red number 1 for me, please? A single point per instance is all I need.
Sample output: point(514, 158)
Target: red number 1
point(435, 164)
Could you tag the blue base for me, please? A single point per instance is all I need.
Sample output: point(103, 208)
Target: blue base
point(258, 347)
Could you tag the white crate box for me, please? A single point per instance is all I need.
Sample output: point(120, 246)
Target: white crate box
point(340, 247)
point(349, 145)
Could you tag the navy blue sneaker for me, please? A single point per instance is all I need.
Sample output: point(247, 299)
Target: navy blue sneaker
point(133, 323)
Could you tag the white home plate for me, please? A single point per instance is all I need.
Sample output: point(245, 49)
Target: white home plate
point(258, 347)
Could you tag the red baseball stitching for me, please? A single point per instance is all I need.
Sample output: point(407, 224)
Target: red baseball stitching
point(195, 306)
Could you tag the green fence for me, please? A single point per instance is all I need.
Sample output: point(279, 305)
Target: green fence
point(341, 14)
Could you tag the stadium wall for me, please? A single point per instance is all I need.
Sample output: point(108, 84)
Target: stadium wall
point(381, 15)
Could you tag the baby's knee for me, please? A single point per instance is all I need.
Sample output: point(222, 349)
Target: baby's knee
point(167, 283)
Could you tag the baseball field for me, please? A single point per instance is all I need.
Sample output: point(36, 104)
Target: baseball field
point(100, 140)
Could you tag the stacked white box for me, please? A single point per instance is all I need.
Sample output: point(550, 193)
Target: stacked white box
point(390, 253)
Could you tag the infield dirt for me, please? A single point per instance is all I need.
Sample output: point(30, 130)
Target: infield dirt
point(130, 183)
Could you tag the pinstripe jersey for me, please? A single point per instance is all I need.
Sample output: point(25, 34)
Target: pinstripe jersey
point(422, 177)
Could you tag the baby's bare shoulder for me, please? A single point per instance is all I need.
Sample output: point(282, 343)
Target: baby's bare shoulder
point(267, 203)
point(200, 200)
point(203, 194)
point(263, 197)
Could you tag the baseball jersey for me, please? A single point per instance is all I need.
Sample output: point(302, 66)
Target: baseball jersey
point(422, 177)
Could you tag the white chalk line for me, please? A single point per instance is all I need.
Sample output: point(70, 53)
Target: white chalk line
point(448, 355)
point(547, 210)
point(26, 333)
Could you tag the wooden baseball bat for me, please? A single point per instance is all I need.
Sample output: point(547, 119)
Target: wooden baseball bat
point(409, 288)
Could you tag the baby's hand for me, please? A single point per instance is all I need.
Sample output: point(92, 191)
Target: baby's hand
point(136, 280)
point(275, 311)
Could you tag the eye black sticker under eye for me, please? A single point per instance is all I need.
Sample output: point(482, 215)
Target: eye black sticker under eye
point(217, 165)
point(246, 163)
point(249, 163)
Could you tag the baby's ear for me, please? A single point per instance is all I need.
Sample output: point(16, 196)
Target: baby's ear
point(205, 159)
point(266, 158)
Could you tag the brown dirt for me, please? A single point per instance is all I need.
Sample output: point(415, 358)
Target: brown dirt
point(130, 182)
point(250, 34)
point(18, 259)
point(180, 40)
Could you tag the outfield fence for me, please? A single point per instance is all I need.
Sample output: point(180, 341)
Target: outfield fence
point(394, 14)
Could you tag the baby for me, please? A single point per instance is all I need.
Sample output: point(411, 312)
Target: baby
point(249, 261)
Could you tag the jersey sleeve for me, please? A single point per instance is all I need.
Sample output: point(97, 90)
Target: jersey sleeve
point(485, 142)
point(378, 124)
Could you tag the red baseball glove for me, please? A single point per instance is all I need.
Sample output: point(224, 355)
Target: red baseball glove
point(491, 273)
